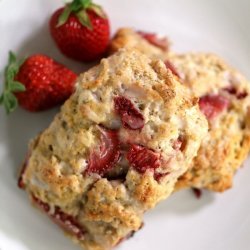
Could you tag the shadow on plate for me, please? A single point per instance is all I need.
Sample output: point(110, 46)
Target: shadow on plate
point(21, 127)
point(185, 202)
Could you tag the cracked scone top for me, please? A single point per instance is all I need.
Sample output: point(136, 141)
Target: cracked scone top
point(115, 150)
point(224, 99)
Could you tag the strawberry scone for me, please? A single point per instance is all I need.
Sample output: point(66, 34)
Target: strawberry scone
point(151, 44)
point(115, 150)
point(224, 99)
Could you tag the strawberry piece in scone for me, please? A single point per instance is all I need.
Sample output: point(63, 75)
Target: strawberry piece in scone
point(143, 159)
point(65, 221)
point(212, 105)
point(115, 150)
point(130, 116)
point(224, 99)
point(107, 154)
point(155, 40)
point(148, 43)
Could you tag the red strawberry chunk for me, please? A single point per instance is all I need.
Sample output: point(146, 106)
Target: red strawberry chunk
point(197, 192)
point(142, 158)
point(231, 90)
point(174, 70)
point(152, 38)
point(180, 144)
point(107, 155)
point(65, 221)
point(234, 91)
point(177, 144)
point(131, 117)
point(242, 95)
point(213, 105)
point(159, 176)
point(20, 182)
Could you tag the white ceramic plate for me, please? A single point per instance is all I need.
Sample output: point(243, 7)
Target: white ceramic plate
point(216, 221)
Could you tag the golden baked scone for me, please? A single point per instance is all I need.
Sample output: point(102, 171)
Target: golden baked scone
point(115, 150)
point(224, 98)
point(148, 43)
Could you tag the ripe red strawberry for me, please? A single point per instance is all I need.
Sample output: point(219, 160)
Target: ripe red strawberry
point(37, 84)
point(131, 117)
point(65, 221)
point(106, 156)
point(155, 40)
point(142, 158)
point(81, 30)
point(212, 105)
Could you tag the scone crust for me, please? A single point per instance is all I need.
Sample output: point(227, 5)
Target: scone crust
point(129, 38)
point(111, 209)
point(227, 144)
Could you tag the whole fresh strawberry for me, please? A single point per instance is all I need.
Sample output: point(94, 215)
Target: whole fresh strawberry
point(81, 30)
point(37, 83)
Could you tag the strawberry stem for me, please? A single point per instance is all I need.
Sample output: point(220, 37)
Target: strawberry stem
point(80, 7)
point(11, 86)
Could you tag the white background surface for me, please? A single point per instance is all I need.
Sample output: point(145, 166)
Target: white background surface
point(215, 222)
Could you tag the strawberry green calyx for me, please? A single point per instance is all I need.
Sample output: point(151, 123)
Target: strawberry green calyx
point(80, 7)
point(8, 99)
